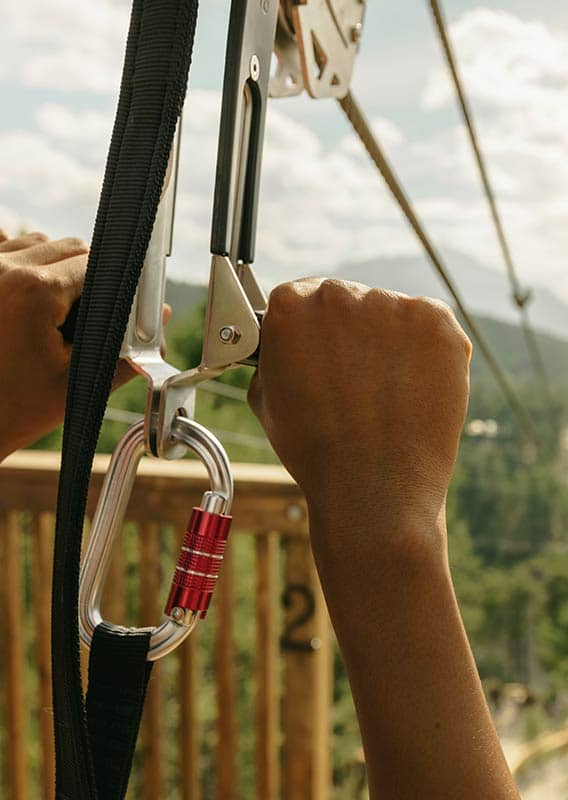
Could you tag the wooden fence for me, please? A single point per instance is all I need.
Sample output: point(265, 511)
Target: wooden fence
point(242, 709)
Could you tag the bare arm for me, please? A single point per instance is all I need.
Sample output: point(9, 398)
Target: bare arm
point(363, 394)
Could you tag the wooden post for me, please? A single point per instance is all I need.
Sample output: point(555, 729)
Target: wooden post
point(16, 722)
point(306, 643)
point(42, 532)
point(226, 679)
point(189, 760)
point(267, 668)
point(150, 614)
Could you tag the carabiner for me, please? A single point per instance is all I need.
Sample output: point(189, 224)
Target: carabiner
point(202, 550)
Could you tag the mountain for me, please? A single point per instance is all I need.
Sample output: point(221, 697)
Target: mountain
point(184, 297)
point(485, 291)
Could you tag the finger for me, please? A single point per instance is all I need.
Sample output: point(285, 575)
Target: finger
point(124, 372)
point(166, 315)
point(67, 277)
point(254, 394)
point(45, 253)
point(23, 242)
point(3, 235)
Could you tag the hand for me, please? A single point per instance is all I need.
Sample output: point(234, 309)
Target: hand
point(39, 282)
point(363, 394)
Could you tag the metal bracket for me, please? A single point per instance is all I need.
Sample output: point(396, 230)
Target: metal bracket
point(232, 332)
point(288, 80)
point(323, 36)
point(143, 339)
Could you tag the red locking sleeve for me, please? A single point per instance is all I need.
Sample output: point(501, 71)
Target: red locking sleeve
point(199, 562)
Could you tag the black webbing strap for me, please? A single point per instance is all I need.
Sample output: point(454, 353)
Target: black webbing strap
point(156, 66)
point(118, 676)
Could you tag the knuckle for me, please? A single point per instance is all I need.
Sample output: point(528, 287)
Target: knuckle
point(332, 290)
point(433, 313)
point(439, 321)
point(283, 298)
point(37, 236)
point(388, 299)
point(26, 288)
point(334, 298)
point(329, 285)
point(74, 244)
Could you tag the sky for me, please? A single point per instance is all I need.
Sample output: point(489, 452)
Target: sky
point(322, 205)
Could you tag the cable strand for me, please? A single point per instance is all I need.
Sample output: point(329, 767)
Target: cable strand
point(371, 143)
point(520, 295)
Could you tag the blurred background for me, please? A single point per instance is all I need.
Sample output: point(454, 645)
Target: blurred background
point(324, 210)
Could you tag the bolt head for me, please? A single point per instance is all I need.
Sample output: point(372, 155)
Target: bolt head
point(229, 334)
point(254, 68)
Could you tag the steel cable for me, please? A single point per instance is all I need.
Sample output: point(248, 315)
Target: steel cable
point(371, 143)
point(521, 297)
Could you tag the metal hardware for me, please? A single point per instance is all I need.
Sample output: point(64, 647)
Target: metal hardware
point(198, 565)
point(229, 334)
point(109, 517)
point(143, 339)
point(228, 308)
point(287, 80)
point(254, 67)
point(315, 50)
point(322, 38)
point(252, 28)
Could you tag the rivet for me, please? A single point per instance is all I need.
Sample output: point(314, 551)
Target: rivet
point(356, 32)
point(254, 68)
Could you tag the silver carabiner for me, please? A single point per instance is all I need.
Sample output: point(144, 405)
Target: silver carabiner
point(107, 525)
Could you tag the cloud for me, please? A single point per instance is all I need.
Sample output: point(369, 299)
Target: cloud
point(68, 125)
point(44, 175)
point(322, 202)
point(516, 76)
point(63, 44)
point(12, 223)
point(320, 205)
point(506, 62)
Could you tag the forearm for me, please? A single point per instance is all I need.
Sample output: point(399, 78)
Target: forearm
point(426, 729)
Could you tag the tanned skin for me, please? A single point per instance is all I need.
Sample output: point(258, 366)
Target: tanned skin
point(363, 394)
point(39, 282)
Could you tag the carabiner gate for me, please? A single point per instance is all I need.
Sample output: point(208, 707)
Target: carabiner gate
point(202, 550)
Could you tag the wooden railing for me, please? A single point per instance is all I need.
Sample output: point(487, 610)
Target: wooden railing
point(242, 709)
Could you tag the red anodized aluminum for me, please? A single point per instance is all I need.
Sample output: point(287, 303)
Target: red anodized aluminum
point(199, 562)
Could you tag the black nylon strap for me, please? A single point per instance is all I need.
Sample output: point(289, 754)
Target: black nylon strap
point(118, 677)
point(154, 80)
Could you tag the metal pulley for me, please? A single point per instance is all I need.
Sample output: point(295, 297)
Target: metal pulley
point(316, 45)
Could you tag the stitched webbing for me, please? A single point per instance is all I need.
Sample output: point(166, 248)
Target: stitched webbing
point(118, 676)
point(153, 86)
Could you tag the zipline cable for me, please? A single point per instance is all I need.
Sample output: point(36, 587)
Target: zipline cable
point(521, 296)
point(371, 143)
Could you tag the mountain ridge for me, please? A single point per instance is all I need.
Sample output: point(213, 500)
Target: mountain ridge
point(485, 291)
